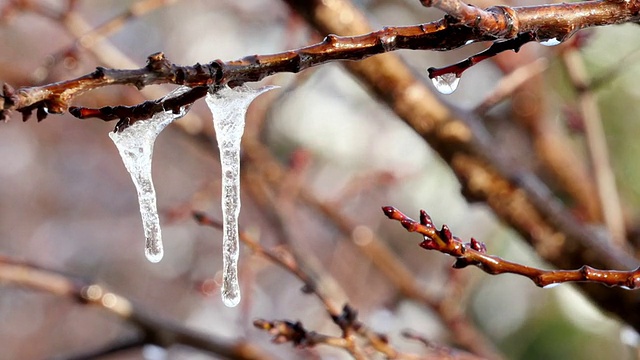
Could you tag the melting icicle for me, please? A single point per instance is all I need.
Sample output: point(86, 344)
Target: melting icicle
point(228, 107)
point(551, 42)
point(446, 83)
point(135, 145)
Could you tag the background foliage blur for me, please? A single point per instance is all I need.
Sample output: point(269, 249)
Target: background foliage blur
point(67, 203)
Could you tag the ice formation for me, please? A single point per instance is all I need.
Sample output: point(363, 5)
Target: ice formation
point(228, 107)
point(135, 145)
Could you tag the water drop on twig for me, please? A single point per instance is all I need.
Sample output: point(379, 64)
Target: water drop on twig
point(446, 83)
point(228, 107)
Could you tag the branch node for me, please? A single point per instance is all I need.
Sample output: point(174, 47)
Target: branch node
point(346, 319)
point(478, 246)
point(99, 72)
point(507, 17)
point(157, 62)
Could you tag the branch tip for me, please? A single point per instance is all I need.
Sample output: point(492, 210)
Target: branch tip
point(390, 212)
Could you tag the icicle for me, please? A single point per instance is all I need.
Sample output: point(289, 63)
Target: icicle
point(228, 107)
point(135, 145)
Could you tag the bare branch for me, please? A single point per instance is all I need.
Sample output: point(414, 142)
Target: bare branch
point(541, 23)
point(475, 253)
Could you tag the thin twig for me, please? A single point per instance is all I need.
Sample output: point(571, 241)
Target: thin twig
point(475, 253)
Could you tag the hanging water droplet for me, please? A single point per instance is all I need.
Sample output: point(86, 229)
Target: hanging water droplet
point(135, 145)
point(228, 107)
point(446, 83)
point(468, 42)
point(550, 286)
point(551, 42)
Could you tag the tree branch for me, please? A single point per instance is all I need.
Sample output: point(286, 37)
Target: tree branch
point(542, 22)
point(475, 253)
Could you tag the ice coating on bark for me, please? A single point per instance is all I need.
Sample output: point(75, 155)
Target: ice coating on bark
point(229, 107)
point(135, 145)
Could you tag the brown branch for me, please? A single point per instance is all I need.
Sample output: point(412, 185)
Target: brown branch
point(157, 331)
point(295, 333)
point(543, 22)
point(475, 253)
point(498, 21)
point(497, 47)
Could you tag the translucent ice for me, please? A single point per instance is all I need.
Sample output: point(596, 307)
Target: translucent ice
point(135, 145)
point(229, 107)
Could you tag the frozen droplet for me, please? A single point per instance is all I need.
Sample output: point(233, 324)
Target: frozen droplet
point(552, 285)
point(135, 145)
point(551, 42)
point(446, 83)
point(228, 107)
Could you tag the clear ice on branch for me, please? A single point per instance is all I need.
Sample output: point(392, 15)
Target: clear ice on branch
point(229, 107)
point(135, 145)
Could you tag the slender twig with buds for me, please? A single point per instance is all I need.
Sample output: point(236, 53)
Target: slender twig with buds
point(475, 253)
